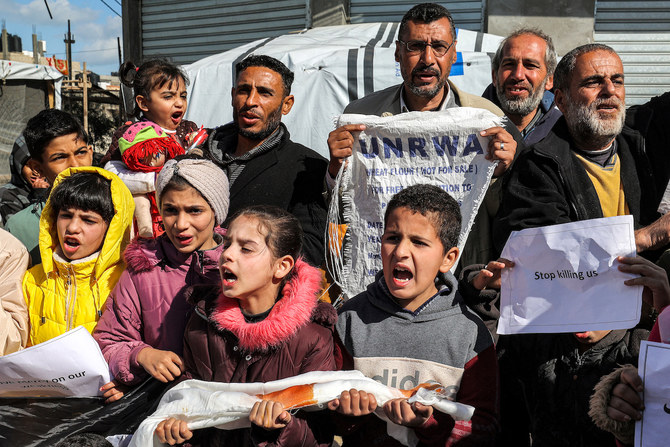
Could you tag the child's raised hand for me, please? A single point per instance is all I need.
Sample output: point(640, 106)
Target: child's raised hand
point(654, 279)
point(625, 403)
point(173, 431)
point(112, 391)
point(269, 415)
point(354, 403)
point(401, 412)
point(162, 365)
point(489, 276)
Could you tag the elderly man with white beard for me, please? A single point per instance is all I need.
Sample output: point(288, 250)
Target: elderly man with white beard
point(590, 165)
point(523, 76)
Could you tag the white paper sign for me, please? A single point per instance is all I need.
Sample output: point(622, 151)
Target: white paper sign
point(664, 325)
point(565, 278)
point(664, 206)
point(654, 369)
point(438, 148)
point(70, 365)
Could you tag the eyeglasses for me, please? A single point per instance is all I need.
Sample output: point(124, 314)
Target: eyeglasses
point(439, 47)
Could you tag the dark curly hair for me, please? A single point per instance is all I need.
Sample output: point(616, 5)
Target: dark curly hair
point(86, 191)
point(271, 63)
point(154, 73)
point(436, 205)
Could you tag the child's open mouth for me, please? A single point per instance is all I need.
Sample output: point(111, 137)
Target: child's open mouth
point(176, 117)
point(72, 244)
point(401, 275)
point(185, 240)
point(228, 278)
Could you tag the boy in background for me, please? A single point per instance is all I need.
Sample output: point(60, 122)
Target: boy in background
point(56, 141)
point(411, 326)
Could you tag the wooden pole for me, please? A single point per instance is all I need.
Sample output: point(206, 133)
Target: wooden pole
point(5, 43)
point(84, 79)
point(36, 53)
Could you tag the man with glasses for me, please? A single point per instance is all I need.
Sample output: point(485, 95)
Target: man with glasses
point(425, 50)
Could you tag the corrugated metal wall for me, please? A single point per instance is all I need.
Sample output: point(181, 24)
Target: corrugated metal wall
point(190, 30)
point(466, 14)
point(640, 32)
point(632, 16)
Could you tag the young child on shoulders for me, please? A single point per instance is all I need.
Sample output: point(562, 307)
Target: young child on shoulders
point(141, 331)
point(84, 228)
point(411, 326)
point(160, 97)
point(264, 323)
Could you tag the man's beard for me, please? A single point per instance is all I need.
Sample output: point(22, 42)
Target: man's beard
point(423, 91)
point(585, 124)
point(520, 106)
point(272, 123)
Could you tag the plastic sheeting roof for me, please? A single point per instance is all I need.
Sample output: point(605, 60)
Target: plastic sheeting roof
point(20, 70)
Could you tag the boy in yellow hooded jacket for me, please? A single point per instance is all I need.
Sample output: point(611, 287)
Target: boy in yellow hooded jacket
point(84, 229)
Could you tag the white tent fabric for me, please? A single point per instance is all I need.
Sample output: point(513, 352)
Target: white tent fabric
point(10, 70)
point(333, 65)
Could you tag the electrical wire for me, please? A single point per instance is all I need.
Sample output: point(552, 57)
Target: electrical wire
point(112, 9)
point(87, 51)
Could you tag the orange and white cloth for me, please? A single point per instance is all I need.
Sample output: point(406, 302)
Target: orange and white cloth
point(227, 405)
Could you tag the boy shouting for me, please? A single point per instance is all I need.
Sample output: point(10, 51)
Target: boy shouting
point(412, 326)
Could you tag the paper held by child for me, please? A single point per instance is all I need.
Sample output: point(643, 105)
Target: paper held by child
point(70, 365)
point(227, 405)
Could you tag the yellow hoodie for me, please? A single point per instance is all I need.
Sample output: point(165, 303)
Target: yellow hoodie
point(62, 295)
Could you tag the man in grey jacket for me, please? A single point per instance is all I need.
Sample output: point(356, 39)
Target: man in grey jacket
point(426, 50)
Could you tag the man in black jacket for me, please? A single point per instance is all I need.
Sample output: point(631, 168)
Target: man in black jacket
point(590, 165)
point(263, 165)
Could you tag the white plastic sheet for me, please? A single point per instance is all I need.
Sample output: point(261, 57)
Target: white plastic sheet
point(438, 148)
point(227, 405)
point(565, 278)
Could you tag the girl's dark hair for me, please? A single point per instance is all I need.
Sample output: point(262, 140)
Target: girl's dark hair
point(436, 205)
point(283, 233)
point(86, 191)
point(152, 74)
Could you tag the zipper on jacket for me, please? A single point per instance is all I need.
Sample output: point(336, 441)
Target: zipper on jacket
point(71, 298)
point(201, 261)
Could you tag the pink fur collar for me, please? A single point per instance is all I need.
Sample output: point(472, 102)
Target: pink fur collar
point(293, 311)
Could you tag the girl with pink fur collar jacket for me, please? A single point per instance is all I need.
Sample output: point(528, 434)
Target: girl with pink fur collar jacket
point(265, 323)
